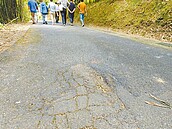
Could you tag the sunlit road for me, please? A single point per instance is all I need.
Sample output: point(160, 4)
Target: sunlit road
point(45, 69)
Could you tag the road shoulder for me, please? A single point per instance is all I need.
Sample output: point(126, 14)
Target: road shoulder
point(137, 38)
point(11, 34)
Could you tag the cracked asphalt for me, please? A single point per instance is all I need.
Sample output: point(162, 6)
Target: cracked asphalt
point(70, 77)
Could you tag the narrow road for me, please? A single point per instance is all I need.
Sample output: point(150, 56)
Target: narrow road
point(78, 78)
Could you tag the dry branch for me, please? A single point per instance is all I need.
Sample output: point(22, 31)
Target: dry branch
point(162, 102)
point(11, 21)
point(155, 104)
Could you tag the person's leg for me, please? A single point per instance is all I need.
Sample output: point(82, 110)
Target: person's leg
point(82, 19)
point(58, 16)
point(51, 15)
point(64, 15)
point(72, 18)
point(80, 15)
point(46, 19)
point(36, 17)
point(52, 18)
point(63, 19)
point(43, 18)
point(33, 17)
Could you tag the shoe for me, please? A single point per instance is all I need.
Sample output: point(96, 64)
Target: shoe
point(46, 22)
point(83, 25)
point(43, 22)
point(33, 23)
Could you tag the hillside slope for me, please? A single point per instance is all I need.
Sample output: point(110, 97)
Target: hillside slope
point(148, 18)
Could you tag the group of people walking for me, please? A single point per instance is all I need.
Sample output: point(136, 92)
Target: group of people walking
point(57, 8)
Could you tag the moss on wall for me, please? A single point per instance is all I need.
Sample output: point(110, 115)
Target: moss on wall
point(151, 18)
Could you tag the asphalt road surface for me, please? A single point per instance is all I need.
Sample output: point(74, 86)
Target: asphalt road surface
point(69, 77)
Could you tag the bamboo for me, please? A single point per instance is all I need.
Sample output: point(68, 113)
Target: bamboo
point(8, 10)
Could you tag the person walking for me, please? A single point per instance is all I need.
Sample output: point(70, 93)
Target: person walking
point(64, 4)
point(82, 11)
point(71, 11)
point(44, 11)
point(33, 7)
point(52, 8)
point(57, 13)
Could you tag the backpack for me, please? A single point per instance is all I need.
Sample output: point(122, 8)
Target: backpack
point(44, 9)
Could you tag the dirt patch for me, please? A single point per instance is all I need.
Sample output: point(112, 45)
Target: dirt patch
point(10, 34)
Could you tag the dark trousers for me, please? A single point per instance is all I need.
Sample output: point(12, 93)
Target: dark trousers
point(71, 17)
point(57, 17)
point(63, 14)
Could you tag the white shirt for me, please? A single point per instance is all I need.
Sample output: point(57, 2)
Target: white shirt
point(64, 3)
point(57, 8)
point(52, 7)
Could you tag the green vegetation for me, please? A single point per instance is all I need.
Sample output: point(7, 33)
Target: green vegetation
point(150, 18)
point(18, 9)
